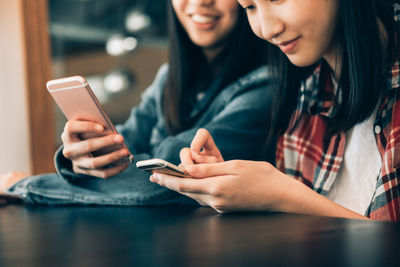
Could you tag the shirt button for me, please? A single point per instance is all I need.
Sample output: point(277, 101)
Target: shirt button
point(377, 129)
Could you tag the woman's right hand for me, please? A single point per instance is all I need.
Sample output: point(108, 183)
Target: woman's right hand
point(78, 150)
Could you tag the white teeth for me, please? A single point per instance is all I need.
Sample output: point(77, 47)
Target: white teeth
point(203, 19)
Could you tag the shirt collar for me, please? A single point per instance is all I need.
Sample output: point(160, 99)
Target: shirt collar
point(394, 75)
point(317, 93)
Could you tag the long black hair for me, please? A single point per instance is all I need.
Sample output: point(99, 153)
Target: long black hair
point(244, 53)
point(366, 52)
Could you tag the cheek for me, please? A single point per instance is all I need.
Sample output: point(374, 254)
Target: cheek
point(178, 6)
point(227, 5)
point(176, 3)
point(255, 26)
point(320, 37)
point(232, 20)
point(231, 13)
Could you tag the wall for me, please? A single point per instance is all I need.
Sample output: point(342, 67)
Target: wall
point(14, 129)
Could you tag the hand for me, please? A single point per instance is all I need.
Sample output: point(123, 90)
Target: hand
point(250, 186)
point(78, 150)
point(202, 150)
point(9, 179)
point(231, 185)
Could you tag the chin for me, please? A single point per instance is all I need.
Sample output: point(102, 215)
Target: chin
point(301, 61)
point(204, 43)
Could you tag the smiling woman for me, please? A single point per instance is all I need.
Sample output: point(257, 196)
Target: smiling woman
point(209, 24)
point(216, 78)
point(337, 116)
point(303, 30)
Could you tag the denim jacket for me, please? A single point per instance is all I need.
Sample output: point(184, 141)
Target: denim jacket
point(236, 118)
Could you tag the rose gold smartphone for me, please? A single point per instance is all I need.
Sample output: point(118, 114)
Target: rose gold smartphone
point(161, 166)
point(77, 101)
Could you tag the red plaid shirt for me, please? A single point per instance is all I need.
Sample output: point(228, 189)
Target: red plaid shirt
point(305, 153)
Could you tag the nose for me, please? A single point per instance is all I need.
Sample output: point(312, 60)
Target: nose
point(271, 26)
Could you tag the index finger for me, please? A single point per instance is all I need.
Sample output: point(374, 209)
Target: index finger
point(213, 169)
point(73, 128)
point(186, 157)
point(203, 139)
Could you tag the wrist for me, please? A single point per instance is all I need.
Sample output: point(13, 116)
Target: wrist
point(289, 193)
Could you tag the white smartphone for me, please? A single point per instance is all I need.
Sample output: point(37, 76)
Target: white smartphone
point(77, 101)
point(161, 166)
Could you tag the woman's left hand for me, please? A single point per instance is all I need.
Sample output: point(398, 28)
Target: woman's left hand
point(231, 185)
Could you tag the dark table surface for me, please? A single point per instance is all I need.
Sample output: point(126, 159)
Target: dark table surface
point(186, 236)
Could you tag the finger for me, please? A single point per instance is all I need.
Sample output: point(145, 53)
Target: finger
point(100, 162)
point(201, 159)
point(200, 139)
point(102, 173)
point(73, 128)
point(81, 148)
point(215, 169)
point(186, 157)
point(202, 199)
point(9, 179)
point(204, 140)
point(182, 185)
point(216, 154)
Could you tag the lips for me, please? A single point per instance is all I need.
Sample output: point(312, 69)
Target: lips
point(288, 46)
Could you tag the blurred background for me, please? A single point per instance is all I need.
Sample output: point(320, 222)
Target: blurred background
point(117, 45)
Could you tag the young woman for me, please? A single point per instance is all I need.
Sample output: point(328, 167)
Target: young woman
point(338, 116)
point(215, 78)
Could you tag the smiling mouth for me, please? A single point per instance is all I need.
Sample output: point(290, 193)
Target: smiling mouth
point(203, 19)
point(288, 46)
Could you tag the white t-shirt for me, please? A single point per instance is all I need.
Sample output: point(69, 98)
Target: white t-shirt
point(355, 185)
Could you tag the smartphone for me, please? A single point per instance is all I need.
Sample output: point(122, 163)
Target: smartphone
point(161, 166)
point(77, 101)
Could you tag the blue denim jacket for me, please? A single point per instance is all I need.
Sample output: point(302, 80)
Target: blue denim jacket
point(236, 118)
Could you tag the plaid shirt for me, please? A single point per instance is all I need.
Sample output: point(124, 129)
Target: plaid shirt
point(305, 152)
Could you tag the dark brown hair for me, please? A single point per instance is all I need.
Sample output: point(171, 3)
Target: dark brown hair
point(363, 78)
point(244, 53)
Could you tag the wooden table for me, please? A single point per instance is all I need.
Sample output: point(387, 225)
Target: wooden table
point(186, 236)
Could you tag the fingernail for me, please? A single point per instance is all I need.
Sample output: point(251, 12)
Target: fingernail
point(98, 127)
point(123, 153)
point(118, 138)
point(154, 178)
